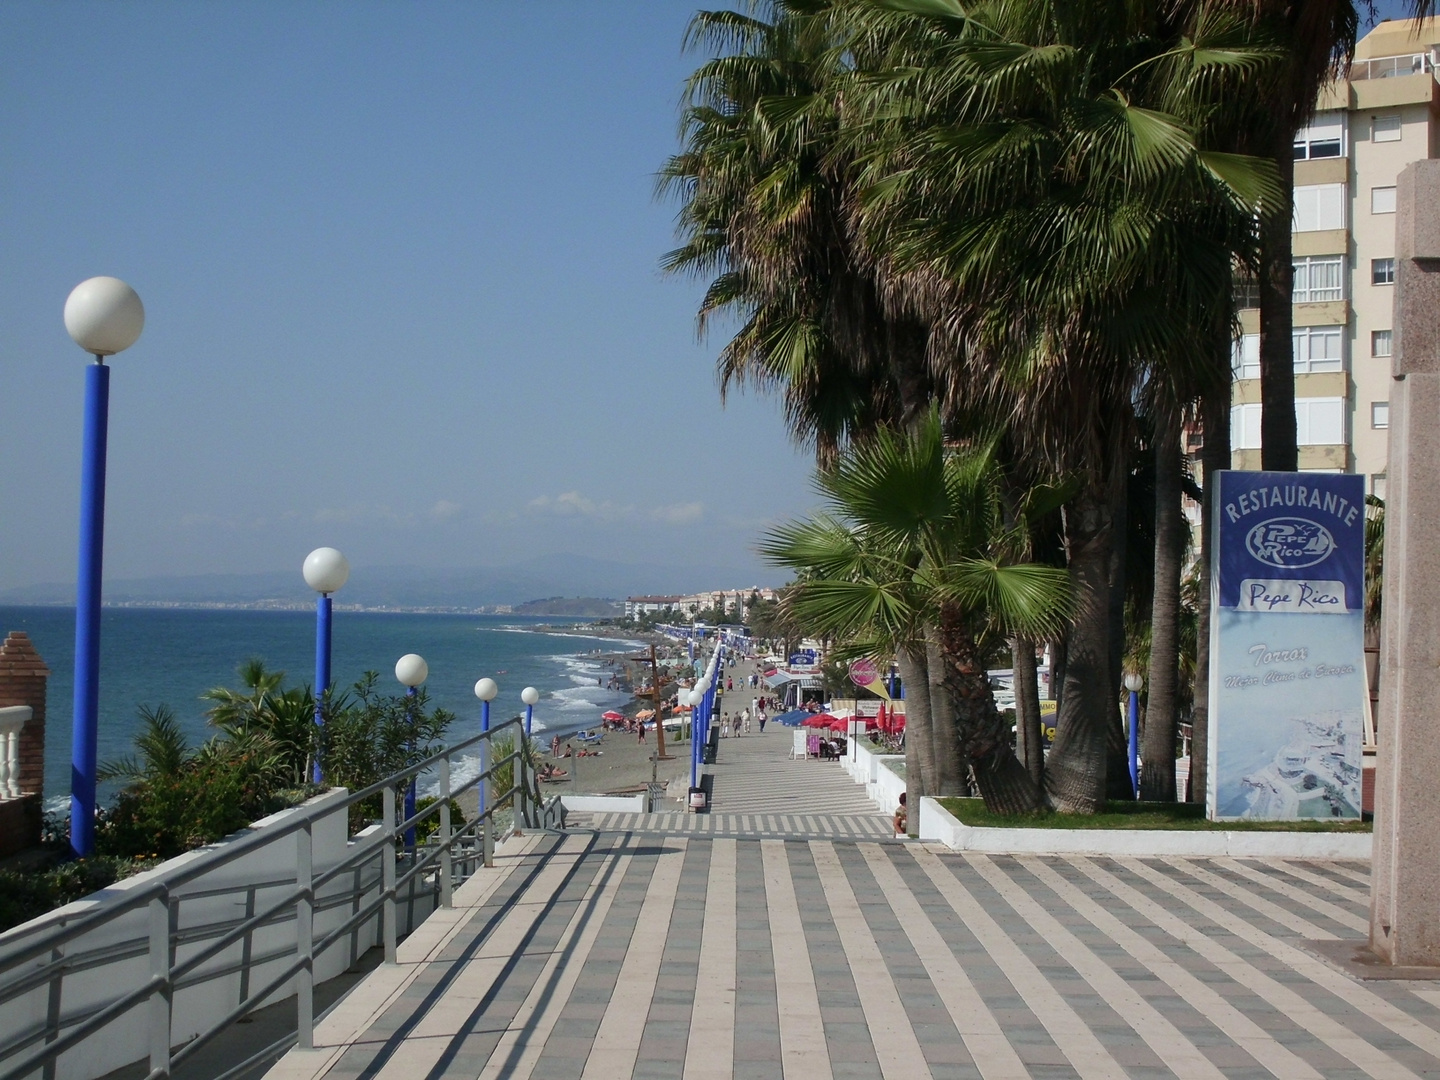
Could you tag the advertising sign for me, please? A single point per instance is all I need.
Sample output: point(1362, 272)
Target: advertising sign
point(1287, 646)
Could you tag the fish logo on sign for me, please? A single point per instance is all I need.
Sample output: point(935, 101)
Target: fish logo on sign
point(1290, 543)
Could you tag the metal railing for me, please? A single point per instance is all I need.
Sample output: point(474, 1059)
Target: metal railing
point(1390, 67)
point(39, 957)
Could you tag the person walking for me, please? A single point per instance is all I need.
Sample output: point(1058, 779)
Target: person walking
point(761, 715)
point(745, 715)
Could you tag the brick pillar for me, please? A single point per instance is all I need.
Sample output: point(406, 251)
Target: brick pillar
point(1405, 875)
point(22, 682)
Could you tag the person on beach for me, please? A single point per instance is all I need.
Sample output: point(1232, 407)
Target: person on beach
point(641, 728)
point(555, 746)
point(900, 816)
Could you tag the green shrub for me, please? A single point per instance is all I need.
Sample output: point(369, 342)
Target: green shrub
point(24, 895)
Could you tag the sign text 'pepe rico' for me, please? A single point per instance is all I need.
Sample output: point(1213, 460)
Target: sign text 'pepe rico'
point(1287, 673)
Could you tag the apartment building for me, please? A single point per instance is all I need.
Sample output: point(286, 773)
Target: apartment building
point(1367, 128)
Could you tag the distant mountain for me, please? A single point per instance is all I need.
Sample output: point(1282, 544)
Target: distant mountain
point(517, 584)
point(580, 607)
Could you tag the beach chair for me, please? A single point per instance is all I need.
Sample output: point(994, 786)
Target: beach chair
point(590, 738)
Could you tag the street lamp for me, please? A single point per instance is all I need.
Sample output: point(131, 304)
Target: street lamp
point(325, 570)
point(529, 696)
point(411, 670)
point(1133, 683)
point(485, 690)
point(693, 698)
point(104, 316)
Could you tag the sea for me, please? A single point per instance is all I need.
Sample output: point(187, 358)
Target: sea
point(154, 656)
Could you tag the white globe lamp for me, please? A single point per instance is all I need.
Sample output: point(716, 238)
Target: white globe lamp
point(104, 316)
point(411, 670)
point(486, 690)
point(326, 570)
point(530, 695)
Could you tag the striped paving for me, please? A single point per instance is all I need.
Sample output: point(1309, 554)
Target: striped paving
point(795, 826)
point(620, 954)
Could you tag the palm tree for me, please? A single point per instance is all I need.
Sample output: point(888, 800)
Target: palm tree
point(1047, 190)
point(765, 188)
point(913, 550)
point(162, 751)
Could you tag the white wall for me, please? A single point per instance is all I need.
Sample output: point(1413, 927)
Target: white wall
point(212, 899)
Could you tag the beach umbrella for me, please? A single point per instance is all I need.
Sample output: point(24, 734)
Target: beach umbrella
point(883, 720)
point(612, 715)
point(819, 720)
point(645, 714)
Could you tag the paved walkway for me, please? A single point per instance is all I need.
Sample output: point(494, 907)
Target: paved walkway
point(788, 935)
point(760, 791)
point(608, 955)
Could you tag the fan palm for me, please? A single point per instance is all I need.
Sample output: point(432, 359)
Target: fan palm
point(765, 186)
point(1038, 172)
point(913, 548)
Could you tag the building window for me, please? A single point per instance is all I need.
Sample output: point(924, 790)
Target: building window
point(1379, 414)
point(1382, 200)
point(1379, 342)
point(1323, 138)
point(1317, 348)
point(1245, 426)
point(1245, 360)
point(1318, 278)
point(1385, 128)
point(1382, 271)
point(1319, 206)
point(1319, 421)
point(1377, 486)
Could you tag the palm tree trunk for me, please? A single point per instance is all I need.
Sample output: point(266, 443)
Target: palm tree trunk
point(982, 735)
point(919, 760)
point(1277, 364)
point(1117, 745)
point(949, 771)
point(1076, 770)
point(1158, 772)
point(1215, 419)
point(1029, 744)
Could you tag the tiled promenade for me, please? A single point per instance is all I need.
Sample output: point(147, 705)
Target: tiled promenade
point(700, 947)
point(599, 955)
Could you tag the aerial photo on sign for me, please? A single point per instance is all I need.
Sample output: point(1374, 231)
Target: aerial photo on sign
point(1288, 674)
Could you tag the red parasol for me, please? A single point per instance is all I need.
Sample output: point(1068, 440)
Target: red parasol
point(883, 720)
point(819, 720)
point(612, 715)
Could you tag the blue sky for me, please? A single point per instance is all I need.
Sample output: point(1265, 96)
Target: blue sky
point(400, 270)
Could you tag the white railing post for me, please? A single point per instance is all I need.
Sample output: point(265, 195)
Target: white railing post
point(304, 939)
point(160, 998)
point(388, 870)
point(446, 899)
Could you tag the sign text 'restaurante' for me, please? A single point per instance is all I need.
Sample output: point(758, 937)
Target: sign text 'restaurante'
point(1291, 495)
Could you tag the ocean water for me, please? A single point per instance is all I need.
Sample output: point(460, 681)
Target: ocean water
point(152, 656)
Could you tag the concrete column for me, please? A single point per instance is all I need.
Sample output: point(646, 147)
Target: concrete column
point(1405, 890)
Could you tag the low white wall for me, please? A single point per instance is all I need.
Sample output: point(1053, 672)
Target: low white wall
point(605, 804)
point(941, 826)
point(865, 766)
point(223, 896)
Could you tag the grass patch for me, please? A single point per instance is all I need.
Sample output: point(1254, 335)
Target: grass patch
point(1137, 815)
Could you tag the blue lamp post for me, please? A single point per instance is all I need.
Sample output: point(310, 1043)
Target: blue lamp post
point(104, 316)
point(325, 570)
point(693, 698)
point(411, 670)
point(485, 690)
point(529, 696)
point(1133, 683)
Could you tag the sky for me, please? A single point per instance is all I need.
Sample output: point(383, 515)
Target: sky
point(400, 265)
point(400, 268)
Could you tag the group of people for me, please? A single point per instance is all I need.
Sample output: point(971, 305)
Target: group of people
point(733, 725)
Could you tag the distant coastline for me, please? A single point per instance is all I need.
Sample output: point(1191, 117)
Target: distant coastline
point(523, 610)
